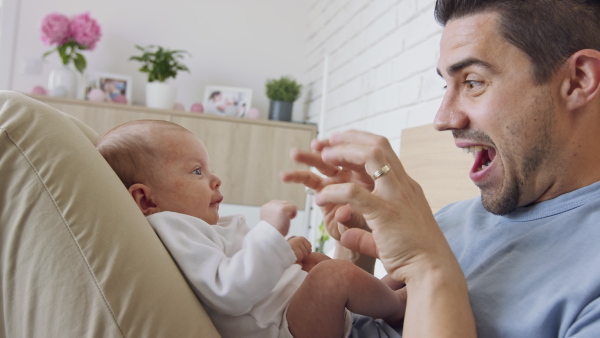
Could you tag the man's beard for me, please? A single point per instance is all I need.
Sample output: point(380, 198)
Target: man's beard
point(506, 200)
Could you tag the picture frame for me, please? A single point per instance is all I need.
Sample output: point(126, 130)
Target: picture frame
point(227, 101)
point(107, 87)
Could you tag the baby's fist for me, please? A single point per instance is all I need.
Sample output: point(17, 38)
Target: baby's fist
point(279, 214)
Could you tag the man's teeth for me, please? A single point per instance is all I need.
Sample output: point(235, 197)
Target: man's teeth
point(473, 150)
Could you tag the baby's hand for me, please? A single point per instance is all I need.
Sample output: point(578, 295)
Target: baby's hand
point(301, 247)
point(278, 214)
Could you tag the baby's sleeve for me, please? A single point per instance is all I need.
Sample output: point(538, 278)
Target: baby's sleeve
point(229, 283)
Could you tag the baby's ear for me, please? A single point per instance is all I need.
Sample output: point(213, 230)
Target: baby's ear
point(143, 197)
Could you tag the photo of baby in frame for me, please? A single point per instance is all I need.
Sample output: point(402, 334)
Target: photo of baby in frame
point(227, 101)
point(107, 87)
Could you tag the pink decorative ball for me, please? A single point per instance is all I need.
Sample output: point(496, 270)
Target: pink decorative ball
point(253, 113)
point(197, 108)
point(96, 95)
point(178, 106)
point(120, 99)
point(39, 90)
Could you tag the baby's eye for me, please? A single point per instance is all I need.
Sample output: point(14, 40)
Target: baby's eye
point(197, 172)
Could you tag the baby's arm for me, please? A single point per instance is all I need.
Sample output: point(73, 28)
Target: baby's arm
point(279, 215)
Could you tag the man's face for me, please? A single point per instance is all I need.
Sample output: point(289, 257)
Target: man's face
point(495, 110)
point(183, 181)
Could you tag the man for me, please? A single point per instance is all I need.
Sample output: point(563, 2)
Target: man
point(523, 93)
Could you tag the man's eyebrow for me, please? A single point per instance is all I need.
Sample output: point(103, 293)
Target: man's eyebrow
point(455, 68)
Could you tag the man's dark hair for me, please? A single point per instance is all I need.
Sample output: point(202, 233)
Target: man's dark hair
point(548, 31)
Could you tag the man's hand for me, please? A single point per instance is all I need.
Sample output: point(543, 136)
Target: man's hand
point(405, 235)
point(279, 214)
point(336, 217)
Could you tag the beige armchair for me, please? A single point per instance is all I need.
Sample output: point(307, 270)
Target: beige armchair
point(77, 258)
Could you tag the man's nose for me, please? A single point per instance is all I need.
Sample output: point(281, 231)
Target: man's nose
point(450, 115)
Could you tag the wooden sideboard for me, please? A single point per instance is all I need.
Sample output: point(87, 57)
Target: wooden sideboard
point(246, 154)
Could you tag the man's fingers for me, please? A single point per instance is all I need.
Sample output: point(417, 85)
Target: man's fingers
point(308, 178)
point(318, 145)
point(350, 219)
point(354, 148)
point(360, 241)
point(358, 137)
point(313, 160)
point(359, 199)
point(351, 156)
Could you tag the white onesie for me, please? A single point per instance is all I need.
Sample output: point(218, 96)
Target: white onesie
point(244, 277)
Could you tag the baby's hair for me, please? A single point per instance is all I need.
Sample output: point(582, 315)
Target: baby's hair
point(132, 150)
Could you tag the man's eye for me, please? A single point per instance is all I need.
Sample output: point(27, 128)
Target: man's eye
point(197, 172)
point(473, 84)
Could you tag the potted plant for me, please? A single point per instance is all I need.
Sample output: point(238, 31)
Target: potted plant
point(161, 64)
point(282, 92)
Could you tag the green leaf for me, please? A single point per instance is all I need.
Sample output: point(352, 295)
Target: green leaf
point(65, 59)
point(48, 53)
point(160, 63)
point(79, 62)
point(283, 89)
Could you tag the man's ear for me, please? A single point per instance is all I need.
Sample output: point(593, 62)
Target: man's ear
point(143, 197)
point(582, 81)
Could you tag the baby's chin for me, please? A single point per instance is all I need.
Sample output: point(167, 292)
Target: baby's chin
point(213, 218)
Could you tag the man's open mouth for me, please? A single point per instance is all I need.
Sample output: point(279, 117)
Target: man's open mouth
point(484, 156)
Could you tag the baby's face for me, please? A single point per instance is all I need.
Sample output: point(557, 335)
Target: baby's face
point(184, 182)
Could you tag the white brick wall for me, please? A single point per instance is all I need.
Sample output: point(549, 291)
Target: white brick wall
point(382, 56)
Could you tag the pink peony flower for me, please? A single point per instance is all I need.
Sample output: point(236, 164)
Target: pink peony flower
point(85, 30)
point(55, 29)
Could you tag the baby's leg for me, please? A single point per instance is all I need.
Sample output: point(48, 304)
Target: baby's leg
point(317, 308)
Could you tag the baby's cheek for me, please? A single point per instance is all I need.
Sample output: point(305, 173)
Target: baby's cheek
point(179, 185)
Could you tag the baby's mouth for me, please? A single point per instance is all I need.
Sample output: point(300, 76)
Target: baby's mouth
point(217, 201)
point(484, 157)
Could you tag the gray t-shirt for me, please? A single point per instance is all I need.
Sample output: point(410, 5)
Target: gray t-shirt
point(532, 273)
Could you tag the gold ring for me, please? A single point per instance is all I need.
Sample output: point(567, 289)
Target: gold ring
point(381, 172)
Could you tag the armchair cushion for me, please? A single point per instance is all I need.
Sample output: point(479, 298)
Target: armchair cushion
point(77, 258)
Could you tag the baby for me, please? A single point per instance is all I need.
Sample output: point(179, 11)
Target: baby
point(246, 278)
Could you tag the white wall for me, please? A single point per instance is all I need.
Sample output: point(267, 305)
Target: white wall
point(380, 73)
point(8, 21)
point(234, 43)
point(381, 70)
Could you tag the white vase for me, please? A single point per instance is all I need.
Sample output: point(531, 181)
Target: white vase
point(63, 82)
point(160, 95)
